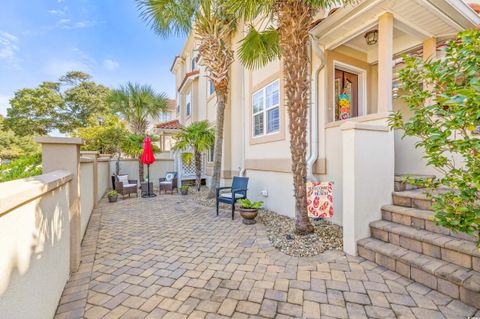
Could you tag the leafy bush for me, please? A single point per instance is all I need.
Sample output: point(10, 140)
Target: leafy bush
point(444, 96)
point(247, 204)
point(112, 193)
point(22, 167)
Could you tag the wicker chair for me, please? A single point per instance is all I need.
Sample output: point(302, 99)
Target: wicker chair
point(125, 186)
point(168, 185)
point(238, 190)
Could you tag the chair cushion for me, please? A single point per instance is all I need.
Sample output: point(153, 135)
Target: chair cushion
point(123, 179)
point(129, 185)
point(169, 177)
point(166, 183)
point(229, 195)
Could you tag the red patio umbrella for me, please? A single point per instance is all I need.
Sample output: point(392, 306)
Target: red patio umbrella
point(148, 158)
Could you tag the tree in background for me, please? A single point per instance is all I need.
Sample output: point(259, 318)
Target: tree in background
point(22, 167)
point(444, 97)
point(13, 146)
point(137, 105)
point(286, 38)
point(72, 102)
point(213, 27)
point(199, 137)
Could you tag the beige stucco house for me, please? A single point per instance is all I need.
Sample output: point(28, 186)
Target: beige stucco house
point(354, 149)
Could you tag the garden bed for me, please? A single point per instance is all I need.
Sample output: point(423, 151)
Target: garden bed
point(280, 231)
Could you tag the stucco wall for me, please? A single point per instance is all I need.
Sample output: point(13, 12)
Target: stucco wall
point(157, 169)
point(87, 200)
point(34, 245)
point(103, 177)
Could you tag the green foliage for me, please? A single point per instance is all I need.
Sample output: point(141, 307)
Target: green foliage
point(136, 104)
point(132, 145)
point(184, 187)
point(259, 47)
point(22, 167)
point(106, 139)
point(72, 102)
point(198, 136)
point(112, 193)
point(13, 146)
point(247, 204)
point(444, 96)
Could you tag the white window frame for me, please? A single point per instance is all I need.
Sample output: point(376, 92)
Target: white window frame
point(210, 86)
point(188, 104)
point(265, 110)
point(362, 87)
point(210, 154)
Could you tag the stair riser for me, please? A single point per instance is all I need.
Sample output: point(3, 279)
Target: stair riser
point(424, 204)
point(420, 223)
point(402, 186)
point(446, 287)
point(421, 247)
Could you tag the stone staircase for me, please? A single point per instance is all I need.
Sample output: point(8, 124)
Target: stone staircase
point(408, 242)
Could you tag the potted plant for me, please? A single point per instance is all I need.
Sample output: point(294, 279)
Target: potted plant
point(184, 190)
point(112, 196)
point(249, 210)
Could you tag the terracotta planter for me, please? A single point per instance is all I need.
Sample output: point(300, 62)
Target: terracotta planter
point(248, 215)
point(112, 199)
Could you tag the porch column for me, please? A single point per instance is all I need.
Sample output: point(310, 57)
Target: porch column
point(385, 62)
point(429, 48)
point(61, 153)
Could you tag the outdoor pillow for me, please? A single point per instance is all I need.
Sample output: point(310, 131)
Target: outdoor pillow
point(169, 177)
point(123, 179)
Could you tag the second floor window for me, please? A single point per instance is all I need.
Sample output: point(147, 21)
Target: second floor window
point(211, 87)
point(165, 116)
point(266, 109)
point(188, 104)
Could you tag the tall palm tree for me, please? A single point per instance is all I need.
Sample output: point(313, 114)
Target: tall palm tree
point(138, 104)
point(289, 41)
point(213, 27)
point(198, 136)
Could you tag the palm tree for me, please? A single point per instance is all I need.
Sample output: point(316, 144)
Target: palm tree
point(213, 27)
point(289, 41)
point(198, 136)
point(138, 104)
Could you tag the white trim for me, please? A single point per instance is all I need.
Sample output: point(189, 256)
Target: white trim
point(362, 86)
point(265, 110)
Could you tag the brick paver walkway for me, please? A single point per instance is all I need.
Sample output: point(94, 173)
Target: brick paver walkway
point(169, 258)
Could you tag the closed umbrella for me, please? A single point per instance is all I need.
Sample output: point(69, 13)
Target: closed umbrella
point(148, 158)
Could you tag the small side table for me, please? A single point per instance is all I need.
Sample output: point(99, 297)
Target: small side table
point(147, 189)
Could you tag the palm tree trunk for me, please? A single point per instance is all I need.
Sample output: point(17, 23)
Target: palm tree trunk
point(294, 21)
point(218, 149)
point(198, 169)
point(140, 170)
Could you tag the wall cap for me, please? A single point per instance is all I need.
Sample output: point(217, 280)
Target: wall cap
point(20, 191)
point(89, 152)
point(363, 118)
point(59, 140)
point(364, 127)
point(86, 160)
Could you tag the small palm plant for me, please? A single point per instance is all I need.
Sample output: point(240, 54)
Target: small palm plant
point(198, 136)
point(138, 104)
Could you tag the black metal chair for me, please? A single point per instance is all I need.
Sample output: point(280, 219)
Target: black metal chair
point(238, 190)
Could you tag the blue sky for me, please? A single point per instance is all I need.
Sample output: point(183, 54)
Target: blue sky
point(43, 39)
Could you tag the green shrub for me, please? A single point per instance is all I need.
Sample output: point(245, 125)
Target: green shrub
point(444, 96)
point(22, 167)
point(247, 204)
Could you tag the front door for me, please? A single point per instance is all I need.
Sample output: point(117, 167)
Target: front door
point(346, 95)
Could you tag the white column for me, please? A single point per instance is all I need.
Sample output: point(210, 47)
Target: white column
point(385, 62)
point(368, 176)
point(61, 153)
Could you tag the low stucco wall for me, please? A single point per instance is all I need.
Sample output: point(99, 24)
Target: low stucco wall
point(87, 200)
point(157, 169)
point(34, 245)
point(103, 176)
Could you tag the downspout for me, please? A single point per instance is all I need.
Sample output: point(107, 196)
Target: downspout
point(314, 109)
point(242, 170)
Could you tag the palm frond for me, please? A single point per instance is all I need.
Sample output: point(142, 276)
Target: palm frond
point(187, 158)
point(259, 47)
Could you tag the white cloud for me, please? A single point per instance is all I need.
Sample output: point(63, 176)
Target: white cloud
point(77, 60)
point(56, 12)
point(9, 49)
point(68, 24)
point(4, 104)
point(110, 65)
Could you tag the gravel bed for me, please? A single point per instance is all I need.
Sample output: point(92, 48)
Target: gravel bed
point(280, 231)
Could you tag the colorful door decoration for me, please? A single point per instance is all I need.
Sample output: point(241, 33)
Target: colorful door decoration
point(320, 199)
point(346, 95)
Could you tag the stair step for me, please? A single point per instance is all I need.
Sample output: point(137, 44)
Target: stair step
point(402, 185)
point(413, 198)
point(458, 251)
point(418, 218)
point(453, 280)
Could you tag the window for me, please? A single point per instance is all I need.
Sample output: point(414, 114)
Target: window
point(210, 154)
point(266, 110)
point(211, 87)
point(165, 116)
point(188, 103)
